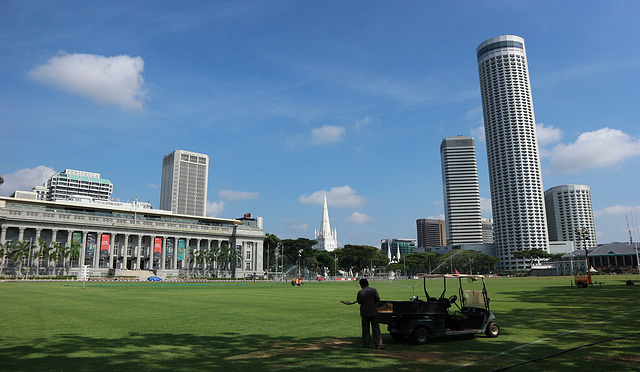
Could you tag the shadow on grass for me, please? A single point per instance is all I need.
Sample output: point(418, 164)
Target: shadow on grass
point(233, 352)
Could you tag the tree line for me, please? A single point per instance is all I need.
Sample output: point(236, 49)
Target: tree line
point(364, 260)
point(52, 257)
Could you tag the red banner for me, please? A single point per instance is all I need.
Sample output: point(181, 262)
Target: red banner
point(105, 241)
point(157, 248)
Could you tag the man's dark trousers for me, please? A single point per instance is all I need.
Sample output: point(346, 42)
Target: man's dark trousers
point(375, 326)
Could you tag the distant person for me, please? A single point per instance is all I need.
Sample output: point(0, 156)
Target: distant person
point(368, 299)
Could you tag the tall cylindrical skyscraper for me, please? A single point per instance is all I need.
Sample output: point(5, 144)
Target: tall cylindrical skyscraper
point(515, 176)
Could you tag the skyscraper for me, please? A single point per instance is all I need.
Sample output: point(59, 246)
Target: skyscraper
point(569, 211)
point(185, 177)
point(71, 183)
point(461, 191)
point(515, 176)
point(431, 233)
point(327, 239)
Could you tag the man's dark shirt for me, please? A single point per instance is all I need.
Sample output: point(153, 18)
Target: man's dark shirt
point(368, 298)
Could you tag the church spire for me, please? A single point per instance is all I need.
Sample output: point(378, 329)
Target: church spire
point(325, 225)
point(327, 239)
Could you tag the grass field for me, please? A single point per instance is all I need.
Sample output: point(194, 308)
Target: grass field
point(58, 326)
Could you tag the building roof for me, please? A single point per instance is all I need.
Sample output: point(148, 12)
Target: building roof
point(610, 249)
point(51, 205)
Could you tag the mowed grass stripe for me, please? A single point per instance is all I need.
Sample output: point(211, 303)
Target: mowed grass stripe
point(274, 326)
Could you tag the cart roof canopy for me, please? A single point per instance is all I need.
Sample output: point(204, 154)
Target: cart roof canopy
point(450, 276)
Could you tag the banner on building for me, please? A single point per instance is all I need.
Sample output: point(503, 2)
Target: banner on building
point(76, 239)
point(169, 248)
point(157, 248)
point(182, 243)
point(105, 242)
point(91, 244)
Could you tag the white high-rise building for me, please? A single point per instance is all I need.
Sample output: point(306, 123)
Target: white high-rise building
point(570, 215)
point(461, 191)
point(72, 183)
point(515, 176)
point(327, 239)
point(185, 177)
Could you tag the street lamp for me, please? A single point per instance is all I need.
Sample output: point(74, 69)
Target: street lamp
point(583, 234)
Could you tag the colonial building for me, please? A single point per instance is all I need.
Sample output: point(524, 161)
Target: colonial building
point(131, 239)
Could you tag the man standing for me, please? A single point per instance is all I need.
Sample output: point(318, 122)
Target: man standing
point(368, 299)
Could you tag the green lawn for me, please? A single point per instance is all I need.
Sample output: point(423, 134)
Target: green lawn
point(274, 326)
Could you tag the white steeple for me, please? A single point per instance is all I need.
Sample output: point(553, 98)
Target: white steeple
point(327, 239)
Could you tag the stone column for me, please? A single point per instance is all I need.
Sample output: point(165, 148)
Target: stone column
point(83, 247)
point(20, 234)
point(163, 253)
point(174, 259)
point(112, 246)
point(96, 250)
point(124, 252)
point(139, 252)
point(68, 244)
point(198, 244)
point(3, 234)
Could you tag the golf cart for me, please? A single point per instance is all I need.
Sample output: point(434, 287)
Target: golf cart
point(466, 313)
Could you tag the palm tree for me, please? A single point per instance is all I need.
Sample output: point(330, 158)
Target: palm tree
point(56, 255)
point(21, 250)
point(63, 252)
point(47, 252)
point(75, 252)
point(232, 254)
point(215, 256)
point(223, 258)
point(5, 250)
point(196, 258)
point(208, 259)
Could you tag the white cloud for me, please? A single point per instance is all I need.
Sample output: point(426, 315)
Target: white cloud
point(478, 133)
point(602, 148)
point(107, 80)
point(475, 112)
point(153, 186)
point(616, 209)
point(338, 196)
point(358, 218)
point(547, 134)
point(25, 179)
point(363, 122)
point(303, 227)
point(327, 134)
point(214, 209)
point(238, 195)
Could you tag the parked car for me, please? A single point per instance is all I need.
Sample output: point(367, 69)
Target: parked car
point(154, 279)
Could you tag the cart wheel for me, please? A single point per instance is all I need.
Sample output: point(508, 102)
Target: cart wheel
point(581, 285)
point(420, 336)
point(492, 330)
point(396, 336)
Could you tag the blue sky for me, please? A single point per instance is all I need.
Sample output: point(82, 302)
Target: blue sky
point(291, 99)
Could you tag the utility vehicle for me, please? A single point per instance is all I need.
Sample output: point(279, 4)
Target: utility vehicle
point(462, 314)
